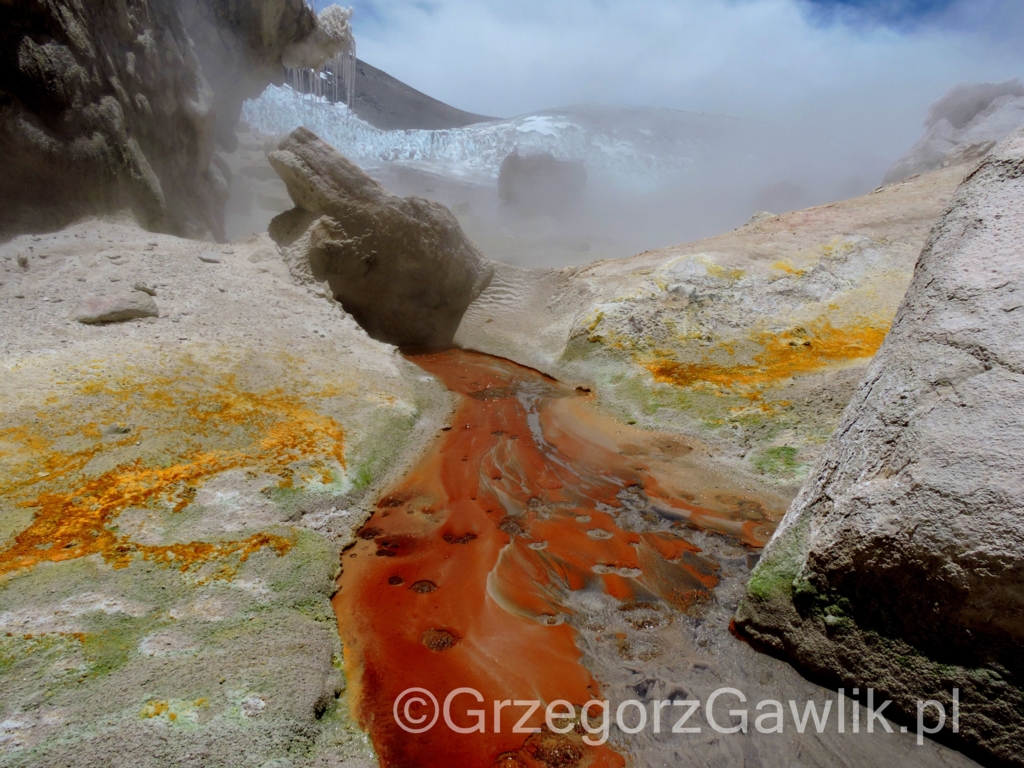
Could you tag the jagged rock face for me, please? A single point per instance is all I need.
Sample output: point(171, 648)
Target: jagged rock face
point(962, 126)
point(242, 46)
point(541, 183)
point(108, 106)
point(901, 564)
point(401, 266)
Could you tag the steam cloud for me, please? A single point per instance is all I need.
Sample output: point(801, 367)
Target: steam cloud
point(845, 75)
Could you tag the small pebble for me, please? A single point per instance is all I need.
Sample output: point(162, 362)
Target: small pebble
point(209, 257)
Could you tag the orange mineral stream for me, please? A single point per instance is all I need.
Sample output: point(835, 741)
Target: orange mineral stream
point(458, 578)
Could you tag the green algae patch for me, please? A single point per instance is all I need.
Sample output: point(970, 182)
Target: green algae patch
point(774, 577)
point(146, 644)
point(780, 461)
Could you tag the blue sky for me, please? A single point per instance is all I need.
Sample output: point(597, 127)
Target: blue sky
point(877, 11)
point(886, 11)
point(862, 72)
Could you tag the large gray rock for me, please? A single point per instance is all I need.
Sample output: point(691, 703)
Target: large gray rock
point(401, 266)
point(963, 125)
point(106, 106)
point(900, 566)
point(541, 183)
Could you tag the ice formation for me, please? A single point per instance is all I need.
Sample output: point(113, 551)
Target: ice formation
point(334, 45)
point(636, 150)
point(614, 143)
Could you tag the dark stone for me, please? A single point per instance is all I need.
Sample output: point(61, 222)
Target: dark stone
point(539, 184)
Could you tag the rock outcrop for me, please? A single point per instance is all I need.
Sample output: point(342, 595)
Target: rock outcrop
point(112, 106)
point(900, 566)
point(401, 266)
point(962, 126)
point(244, 46)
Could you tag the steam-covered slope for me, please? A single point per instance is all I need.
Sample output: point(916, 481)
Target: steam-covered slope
point(752, 341)
point(713, 166)
point(964, 125)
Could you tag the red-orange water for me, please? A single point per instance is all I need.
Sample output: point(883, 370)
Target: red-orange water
point(459, 577)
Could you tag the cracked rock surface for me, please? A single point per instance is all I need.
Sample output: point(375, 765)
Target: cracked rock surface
point(900, 566)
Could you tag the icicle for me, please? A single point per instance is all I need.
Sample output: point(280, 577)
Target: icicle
point(335, 26)
point(348, 67)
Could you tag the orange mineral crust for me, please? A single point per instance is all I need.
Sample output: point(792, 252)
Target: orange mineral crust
point(459, 577)
point(783, 356)
point(186, 427)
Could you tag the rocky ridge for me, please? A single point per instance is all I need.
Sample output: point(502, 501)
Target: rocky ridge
point(962, 126)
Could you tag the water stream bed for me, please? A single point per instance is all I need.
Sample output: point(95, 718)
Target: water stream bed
point(465, 575)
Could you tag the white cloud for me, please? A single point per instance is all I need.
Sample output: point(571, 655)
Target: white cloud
point(865, 87)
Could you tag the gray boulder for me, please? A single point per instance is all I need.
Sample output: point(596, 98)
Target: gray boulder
point(963, 125)
point(116, 307)
point(540, 183)
point(403, 268)
point(900, 566)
